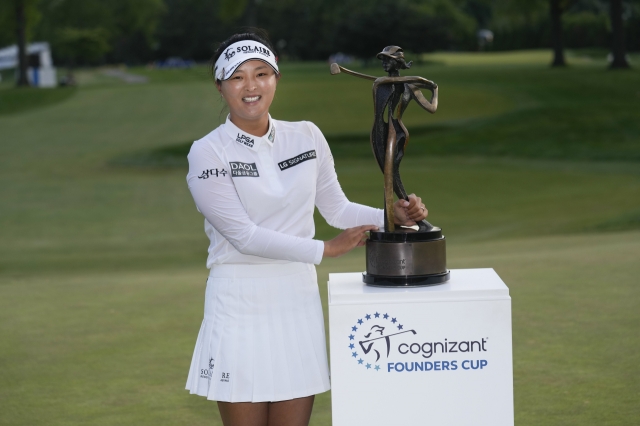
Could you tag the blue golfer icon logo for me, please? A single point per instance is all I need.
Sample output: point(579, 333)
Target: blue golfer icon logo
point(366, 345)
point(376, 338)
point(369, 343)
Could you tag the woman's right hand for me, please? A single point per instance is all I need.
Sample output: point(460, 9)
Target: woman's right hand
point(347, 240)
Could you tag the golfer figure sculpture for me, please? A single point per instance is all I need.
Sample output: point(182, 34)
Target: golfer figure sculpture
point(399, 256)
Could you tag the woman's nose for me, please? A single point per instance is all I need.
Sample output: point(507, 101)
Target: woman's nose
point(251, 84)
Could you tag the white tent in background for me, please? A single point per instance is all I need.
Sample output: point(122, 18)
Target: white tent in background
point(41, 72)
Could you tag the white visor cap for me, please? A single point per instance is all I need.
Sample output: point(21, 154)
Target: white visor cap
point(239, 53)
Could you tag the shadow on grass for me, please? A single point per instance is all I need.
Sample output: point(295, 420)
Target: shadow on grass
point(17, 100)
point(625, 222)
point(168, 157)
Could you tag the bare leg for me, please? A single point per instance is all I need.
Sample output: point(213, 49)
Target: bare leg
point(294, 412)
point(244, 413)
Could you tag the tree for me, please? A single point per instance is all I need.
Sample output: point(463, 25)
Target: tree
point(617, 27)
point(520, 24)
point(125, 26)
point(81, 45)
point(365, 27)
point(190, 28)
point(18, 19)
point(555, 12)
point(556, 9)
point(21, 38)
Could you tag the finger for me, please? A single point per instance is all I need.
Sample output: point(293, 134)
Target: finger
point(358, 234)
point(421, 214)
point(415, 209)
point(402, 203)
point(414, 200)
point(425, 213)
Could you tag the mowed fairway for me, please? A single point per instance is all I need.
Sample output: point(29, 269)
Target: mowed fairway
point(531, 171)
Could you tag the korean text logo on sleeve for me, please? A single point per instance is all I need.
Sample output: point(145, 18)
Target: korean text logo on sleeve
point(206, 174)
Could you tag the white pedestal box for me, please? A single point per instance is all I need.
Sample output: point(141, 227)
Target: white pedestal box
point(438, 355)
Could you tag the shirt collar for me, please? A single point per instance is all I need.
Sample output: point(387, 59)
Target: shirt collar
point(248, 140)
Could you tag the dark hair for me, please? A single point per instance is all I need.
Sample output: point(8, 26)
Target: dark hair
point(255, 34)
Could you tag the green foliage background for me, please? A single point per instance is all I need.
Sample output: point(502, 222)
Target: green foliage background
point(102, 251)
point(136, 32)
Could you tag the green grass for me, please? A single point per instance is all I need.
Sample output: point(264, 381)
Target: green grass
point(102, 251)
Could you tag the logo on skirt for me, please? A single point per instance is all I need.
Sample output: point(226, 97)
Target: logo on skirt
point(206, 373)
point(225, 377)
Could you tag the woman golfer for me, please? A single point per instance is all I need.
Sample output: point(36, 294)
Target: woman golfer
point(261, 349)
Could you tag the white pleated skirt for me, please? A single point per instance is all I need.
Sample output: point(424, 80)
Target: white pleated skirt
point(262, 337)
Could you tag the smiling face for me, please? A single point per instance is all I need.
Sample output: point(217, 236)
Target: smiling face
point(249, 93)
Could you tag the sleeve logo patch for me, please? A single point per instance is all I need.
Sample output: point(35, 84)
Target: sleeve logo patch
point(239, 169)
point(206, 174)
point(300, 158)
point(245, 140)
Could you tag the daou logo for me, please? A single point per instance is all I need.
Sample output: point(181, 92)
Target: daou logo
point(380, 342)
point(239, 169)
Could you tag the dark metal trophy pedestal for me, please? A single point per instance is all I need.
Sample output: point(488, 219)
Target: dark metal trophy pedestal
point(406, 258)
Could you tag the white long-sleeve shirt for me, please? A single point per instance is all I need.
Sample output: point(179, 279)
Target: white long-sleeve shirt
point(257, 194)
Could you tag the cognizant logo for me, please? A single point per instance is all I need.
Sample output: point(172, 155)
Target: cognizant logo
point(381, 342)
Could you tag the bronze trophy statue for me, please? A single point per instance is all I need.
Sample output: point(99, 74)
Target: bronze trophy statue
point(399, 256)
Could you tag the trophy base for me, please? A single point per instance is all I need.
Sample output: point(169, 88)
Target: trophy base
point(405, 258)
point(408, 281)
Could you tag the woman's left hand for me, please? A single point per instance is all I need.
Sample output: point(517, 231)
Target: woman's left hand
point(408, 213)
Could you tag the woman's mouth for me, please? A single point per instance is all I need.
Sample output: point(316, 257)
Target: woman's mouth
point(249, 99)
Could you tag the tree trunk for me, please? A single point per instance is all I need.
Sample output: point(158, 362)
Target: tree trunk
point(21, 30)
point(617, 26)
point(251, 12)
point(555, 9)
